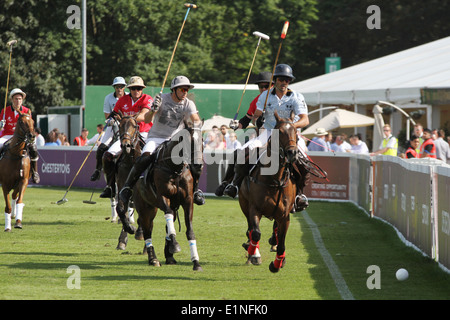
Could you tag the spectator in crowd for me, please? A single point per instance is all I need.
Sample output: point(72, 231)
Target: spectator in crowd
point(338, 145)
point(389, 145)
point(428, 148)
point(345, 144)
point(51, 139)
point(413, 143)
point(64, 140)
point(40, 140)
point(82, 139)
point(225, 134)
point(329, 140)
point(418, 131)
point(95, 140)
point(214, 140)
point(318, 143)
point(233, 143)
point(358, 146)
point(442, 147)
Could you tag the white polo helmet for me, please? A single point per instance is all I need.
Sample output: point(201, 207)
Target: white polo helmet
point(17, 91)
point(180, 81)
point(119, 80)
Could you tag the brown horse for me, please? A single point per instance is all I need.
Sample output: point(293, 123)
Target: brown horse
point(167, 185)
point(15, 169)
point(271, 195)
point(131, 143)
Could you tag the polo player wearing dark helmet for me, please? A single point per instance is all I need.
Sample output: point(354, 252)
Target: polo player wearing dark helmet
point(282, 100)
point(169, 112)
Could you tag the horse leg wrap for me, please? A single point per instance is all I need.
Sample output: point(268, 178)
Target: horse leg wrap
point(278, 263)
point(13, 208)
point(7, 221)
point(253, 248)
point(148, 243)
point(113, 209)
point(193, 248)
point(170, 225)
point(19, 211)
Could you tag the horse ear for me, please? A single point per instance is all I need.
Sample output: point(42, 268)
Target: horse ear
point(292, 115)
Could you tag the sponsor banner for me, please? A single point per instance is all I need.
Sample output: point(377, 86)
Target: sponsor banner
point(58, 166)
point(443, 215)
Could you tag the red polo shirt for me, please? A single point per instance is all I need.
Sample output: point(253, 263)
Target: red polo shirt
point(11, 118)
point(126, 106)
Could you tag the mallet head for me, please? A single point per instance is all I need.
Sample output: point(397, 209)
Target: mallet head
point(261, 35)
point(190, 5)
point(10, 43)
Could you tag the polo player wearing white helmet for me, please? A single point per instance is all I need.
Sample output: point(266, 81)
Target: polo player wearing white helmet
point(8, 121)
point(169, 112)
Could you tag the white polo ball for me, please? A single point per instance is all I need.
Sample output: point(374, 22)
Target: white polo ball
point(402, 274)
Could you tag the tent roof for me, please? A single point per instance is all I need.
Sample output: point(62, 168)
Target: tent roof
point(397, 77)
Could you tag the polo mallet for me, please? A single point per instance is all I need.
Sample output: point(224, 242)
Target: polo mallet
point(283, 35)
point(189, 6)
point(10, 44)
point(64, 200)
point(260, 36)
point(90, 200)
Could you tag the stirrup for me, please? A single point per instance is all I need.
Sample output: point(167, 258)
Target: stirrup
point(300, 203)
point(221, 188)
point(199, 198)
point(231, 190)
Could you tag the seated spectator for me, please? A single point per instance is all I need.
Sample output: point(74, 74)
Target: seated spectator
point(95, 138)
point(338, 145)
point(63, 139)
point(51, 139)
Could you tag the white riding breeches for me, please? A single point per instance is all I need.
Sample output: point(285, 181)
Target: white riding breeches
point(151, 144)
point(116, 148)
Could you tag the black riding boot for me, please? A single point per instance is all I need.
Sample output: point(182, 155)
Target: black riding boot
point(240, 171)
point(109, 168)
point(34, 157)
point(300, 176)
point(142, 163)
point(196, 171)
point(99, 156)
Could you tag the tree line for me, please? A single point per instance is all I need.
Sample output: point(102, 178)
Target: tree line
point(217, 45)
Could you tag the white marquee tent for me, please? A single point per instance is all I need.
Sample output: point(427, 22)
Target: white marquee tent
point(397, 78)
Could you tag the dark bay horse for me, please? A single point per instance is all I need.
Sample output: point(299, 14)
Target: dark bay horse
point(15, 169)
point(271, 195)
point(131, 143)
point(168, 184)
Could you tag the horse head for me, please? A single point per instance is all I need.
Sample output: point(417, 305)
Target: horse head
point(25, 127)
point(287, 137)
point(129, 133)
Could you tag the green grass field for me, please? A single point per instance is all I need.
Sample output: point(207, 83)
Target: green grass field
point(34, 260)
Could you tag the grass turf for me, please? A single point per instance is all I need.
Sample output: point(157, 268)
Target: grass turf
point(34, 261)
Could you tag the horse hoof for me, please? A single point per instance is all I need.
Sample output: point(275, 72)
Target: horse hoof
point(171, 260)
point(121, 246)
point(272, 268)
point(254, 260)
point(197, 266)
point(154, 263)
point(18, 224)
